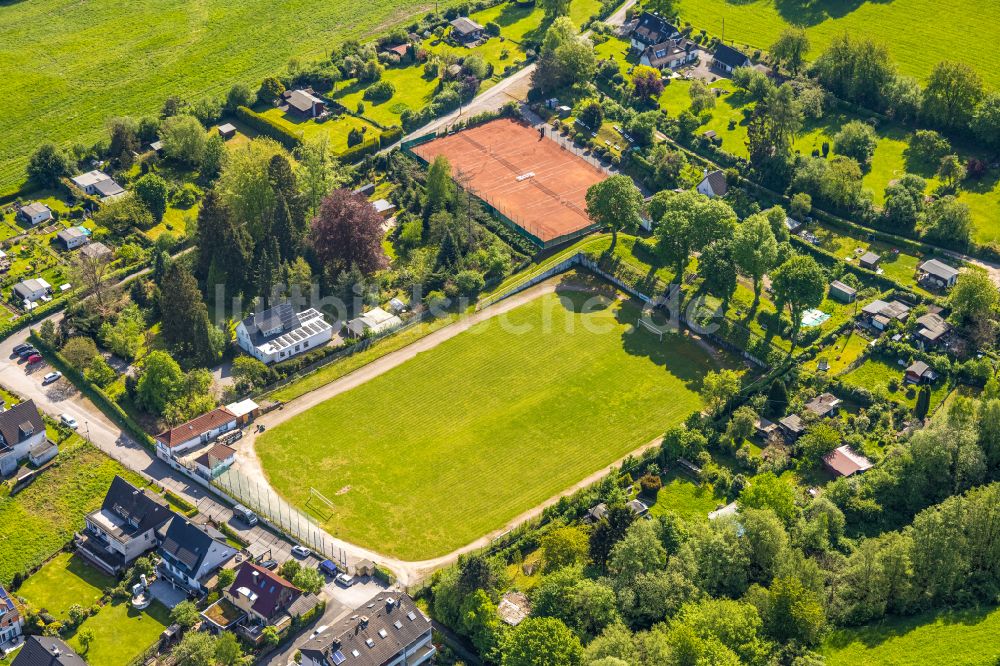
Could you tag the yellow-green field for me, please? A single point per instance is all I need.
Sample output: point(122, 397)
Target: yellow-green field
point(461, 439)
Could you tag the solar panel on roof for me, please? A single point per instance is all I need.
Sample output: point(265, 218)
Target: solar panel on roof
point(338, 658)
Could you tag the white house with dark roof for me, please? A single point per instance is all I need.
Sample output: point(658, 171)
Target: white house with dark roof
point(671, 54)
point(650, 30)
point(388, 630)
point(46, 651)
point(190, 554)
point(726, 59)
point(34, 213)
point(123, 529)
point(73, 237)
point(98, 184)
point(714, 184)
point(279, 333)
point(21, 430)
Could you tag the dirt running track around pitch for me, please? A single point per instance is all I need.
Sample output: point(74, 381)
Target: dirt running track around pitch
point(412, 572)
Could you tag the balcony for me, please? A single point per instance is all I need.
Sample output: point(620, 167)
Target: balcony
point(94, 550)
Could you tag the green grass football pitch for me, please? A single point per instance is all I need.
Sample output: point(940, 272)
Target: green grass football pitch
point(458, 441)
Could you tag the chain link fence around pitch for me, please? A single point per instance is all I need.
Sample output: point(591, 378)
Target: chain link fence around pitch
point(280, 514)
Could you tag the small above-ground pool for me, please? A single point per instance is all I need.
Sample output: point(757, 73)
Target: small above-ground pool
point(813, 317)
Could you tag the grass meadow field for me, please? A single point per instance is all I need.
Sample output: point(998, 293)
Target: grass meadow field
point(76, 64)
point(949, 638)
point(461, 439)
point(969, 26)
point(42, 518)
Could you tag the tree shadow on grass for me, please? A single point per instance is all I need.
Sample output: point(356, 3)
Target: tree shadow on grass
point(812, 12)
point(873, 635)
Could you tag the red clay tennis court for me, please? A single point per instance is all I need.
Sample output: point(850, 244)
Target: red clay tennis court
point(533, 181)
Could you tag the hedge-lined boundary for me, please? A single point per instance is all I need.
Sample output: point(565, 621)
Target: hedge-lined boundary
point(110, 408)
point(267, 126)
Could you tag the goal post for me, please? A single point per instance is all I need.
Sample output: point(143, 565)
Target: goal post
point(320, 504)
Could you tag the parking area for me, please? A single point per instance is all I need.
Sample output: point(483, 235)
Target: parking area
point(357, 594)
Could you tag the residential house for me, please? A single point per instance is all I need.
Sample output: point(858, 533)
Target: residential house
point(98, 184)
point(399, 50)
point(869, 260)
point(123, 529)
point(304, 103)
point(879, 314)
point(824, 405)
point(764, 428)
point(650, 30)
point(465, 30)
point(11, 622)
point(714, 184)
point(190, 554)
point(843, 461)
point(671, 54)
point(937, 274)
point(73, 237)
point(30, 291)
point(46, 651)
point(226, 131)
point(258, 598)
point(34, 213)
point(932, 330)
point(792, 426)
point(199, 430)
point(842, 292)
point(373, 322)
point(388, 630)
point(919, 372)
point(726, 59)
point(21, 430)
point(279, 333)
point(96, 251)
point(215, 460)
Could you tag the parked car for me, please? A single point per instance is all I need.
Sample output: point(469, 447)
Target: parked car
point(68, 421)
point(51, 377)
point(20, 348)
point(329, 568)
point(345, 580)
point(35, 358)
point(245, 514)
point(301, 551)
point(269, 564)
point(25, 353)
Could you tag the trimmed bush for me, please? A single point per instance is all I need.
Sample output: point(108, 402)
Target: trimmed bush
point(266, 126)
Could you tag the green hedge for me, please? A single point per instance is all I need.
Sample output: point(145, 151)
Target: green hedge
point(265, 125)
point(111, 408)
point(360, 151)
point(390, 136)
point(185, 506)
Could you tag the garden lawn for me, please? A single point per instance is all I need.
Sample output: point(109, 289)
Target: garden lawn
point(121, 633)
point(65, 580)
point(413, 91)
point(875, 374)
point(727, 119)
point(43, 517)
point(841, 352)
point(955, 638)
point(686, 498)
point(336, 129)
point(902, 25)
point(463, 438)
